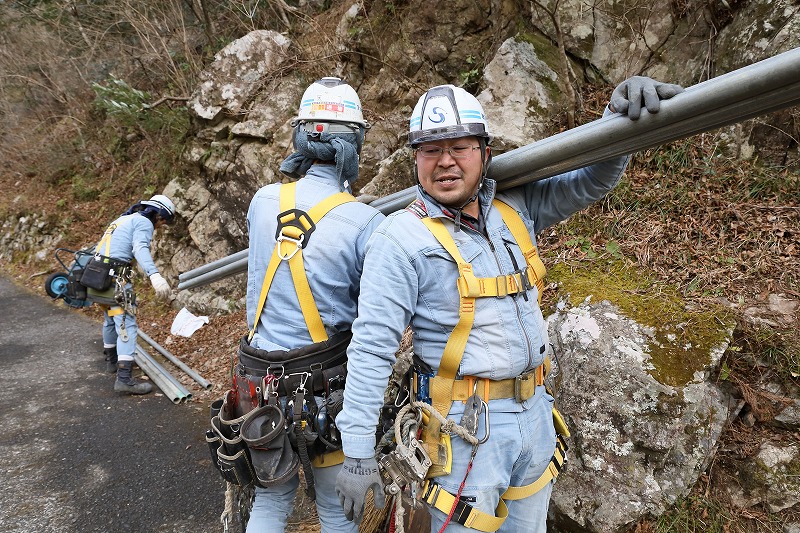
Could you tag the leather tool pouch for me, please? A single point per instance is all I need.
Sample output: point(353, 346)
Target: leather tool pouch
point(264, 432)
point(229, 452)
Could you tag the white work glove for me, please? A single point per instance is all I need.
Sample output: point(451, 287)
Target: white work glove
point(355, 478)
point(160, 285)
point(628, 96)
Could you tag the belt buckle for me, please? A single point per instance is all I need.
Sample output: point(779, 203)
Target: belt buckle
point(501, 283)
point(519, 381)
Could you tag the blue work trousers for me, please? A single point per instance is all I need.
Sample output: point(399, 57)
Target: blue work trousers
point(112, 336)
point(273, 505)
point(519, 448)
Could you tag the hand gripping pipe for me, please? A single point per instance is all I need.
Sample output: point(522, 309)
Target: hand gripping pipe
point(174, 360)
point(758, 89)
point(170, 386)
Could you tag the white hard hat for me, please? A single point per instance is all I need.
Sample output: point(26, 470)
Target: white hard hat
point(331, 100)
point(447, 112)
point(164, 205)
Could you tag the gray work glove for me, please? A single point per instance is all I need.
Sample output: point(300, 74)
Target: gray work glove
point(366, 198)
point(355, 478)
point(627, 97)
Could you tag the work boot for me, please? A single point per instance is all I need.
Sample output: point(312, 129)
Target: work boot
point(126, 383)
point(111, 359)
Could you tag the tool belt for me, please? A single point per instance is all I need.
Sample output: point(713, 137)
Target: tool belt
point(100, 272)
point(520, 388)
point(436, 443)
point(322, 361)
point(283, 434)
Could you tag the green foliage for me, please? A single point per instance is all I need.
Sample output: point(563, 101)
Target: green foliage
point(119, 100)
point(84, 189)
point(582, 243)
point(695, 514)
point(470, 79)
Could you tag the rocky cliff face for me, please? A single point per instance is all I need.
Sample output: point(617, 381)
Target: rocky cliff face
point(248, 96)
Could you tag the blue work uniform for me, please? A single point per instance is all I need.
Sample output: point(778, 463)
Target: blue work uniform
point(333, 260)
point(130, 240)
point(409, 278)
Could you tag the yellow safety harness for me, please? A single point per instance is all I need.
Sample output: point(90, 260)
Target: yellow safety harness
point(294, 229)
point(445, 388)
point(107, 296)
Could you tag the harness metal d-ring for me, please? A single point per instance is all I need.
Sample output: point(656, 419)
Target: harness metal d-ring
point(297, 242)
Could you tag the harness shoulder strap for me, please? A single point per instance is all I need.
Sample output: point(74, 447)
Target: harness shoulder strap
point(514, 222)
point(105, 241)
point(294, 227)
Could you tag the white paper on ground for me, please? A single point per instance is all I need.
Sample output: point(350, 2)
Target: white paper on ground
point(185, 323)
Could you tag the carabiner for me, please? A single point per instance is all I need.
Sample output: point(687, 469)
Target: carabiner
point(485, 421)
point(297, 242)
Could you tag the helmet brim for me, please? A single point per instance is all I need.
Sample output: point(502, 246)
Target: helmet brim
point(450, 132)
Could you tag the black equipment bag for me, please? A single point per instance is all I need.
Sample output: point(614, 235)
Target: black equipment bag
point(99, 272)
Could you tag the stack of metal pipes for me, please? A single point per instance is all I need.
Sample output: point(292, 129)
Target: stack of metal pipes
point(160, 376)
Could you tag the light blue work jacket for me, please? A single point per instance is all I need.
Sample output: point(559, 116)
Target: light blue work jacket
point(131, 239)
point(409, 278)
point(333, 259)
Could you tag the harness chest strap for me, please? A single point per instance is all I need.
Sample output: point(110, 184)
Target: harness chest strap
point(295, 257)
point(470, 287)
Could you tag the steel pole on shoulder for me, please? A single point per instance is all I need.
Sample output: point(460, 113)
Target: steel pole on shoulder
point(758, 89)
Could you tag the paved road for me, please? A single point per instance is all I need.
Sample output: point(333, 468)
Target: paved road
point(76, 457)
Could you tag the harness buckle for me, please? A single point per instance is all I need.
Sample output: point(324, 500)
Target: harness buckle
point(501, 282)
point(523, 278)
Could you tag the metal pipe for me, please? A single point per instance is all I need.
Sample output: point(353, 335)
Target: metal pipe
point(170, 386)
point(177, 362)
point(186, 395)
point(174, 391)
point(212, 265)
point(157, 376)
point(225, 271)
point(757, 89)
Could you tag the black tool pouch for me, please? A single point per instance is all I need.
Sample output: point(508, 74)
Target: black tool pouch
point(229, 452)
point(75, 291)
point(99, 272)
point(274, 460)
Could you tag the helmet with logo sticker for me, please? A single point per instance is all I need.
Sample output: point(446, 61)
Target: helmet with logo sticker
point(331, 100)
point(447, 112)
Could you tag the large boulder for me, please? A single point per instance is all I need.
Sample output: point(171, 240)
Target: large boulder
point(644, 416)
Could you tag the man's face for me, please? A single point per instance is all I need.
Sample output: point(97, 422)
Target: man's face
point(451, 177)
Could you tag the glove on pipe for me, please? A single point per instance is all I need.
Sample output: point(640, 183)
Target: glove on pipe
point(628, 95)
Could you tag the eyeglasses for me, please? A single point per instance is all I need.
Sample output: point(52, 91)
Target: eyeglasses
point(431, 151)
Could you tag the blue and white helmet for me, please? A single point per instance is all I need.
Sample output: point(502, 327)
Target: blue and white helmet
point(447, 112)
point(164, 206)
